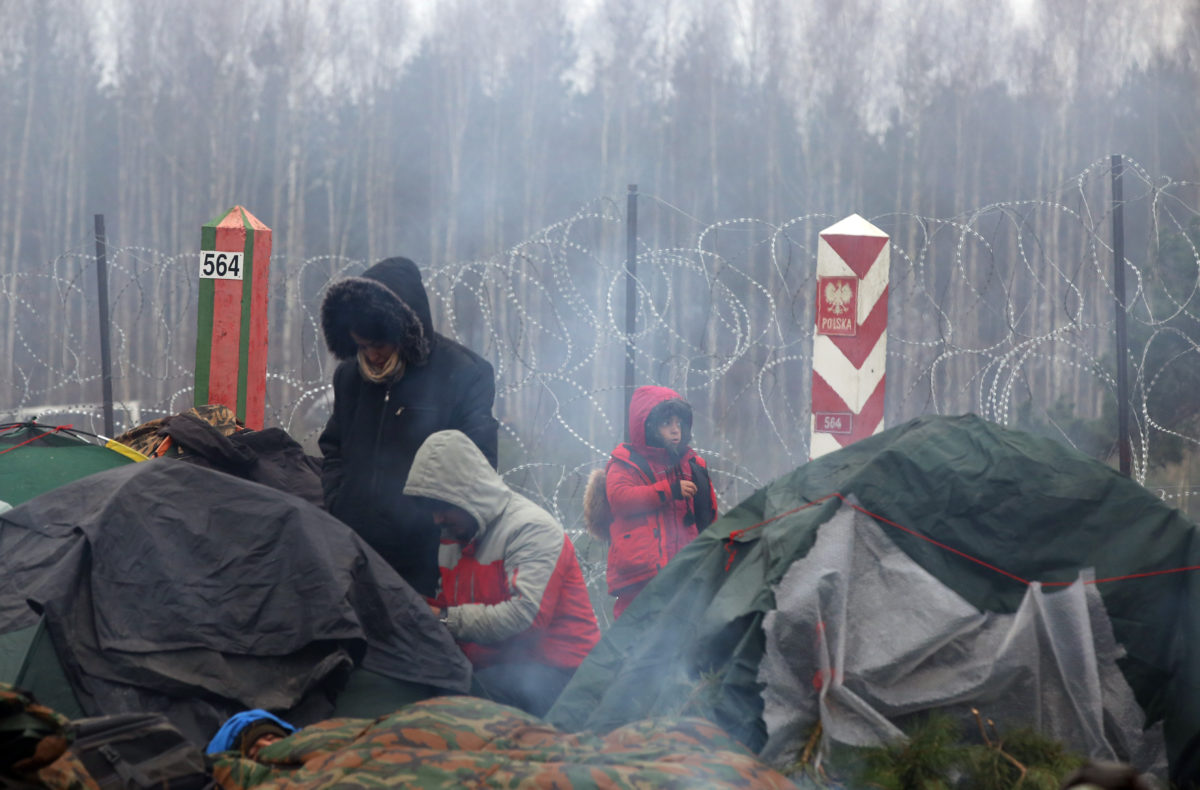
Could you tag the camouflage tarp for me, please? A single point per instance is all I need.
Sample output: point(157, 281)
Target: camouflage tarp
point(33, 746)
point(453, 742)
point(150, 438)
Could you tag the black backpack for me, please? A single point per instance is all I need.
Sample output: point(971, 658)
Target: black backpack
point(139, 751)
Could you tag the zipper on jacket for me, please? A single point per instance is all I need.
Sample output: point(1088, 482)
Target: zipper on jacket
point(387, 396)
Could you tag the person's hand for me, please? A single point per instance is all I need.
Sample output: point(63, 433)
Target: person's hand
point(687, 488)
point(437, 612)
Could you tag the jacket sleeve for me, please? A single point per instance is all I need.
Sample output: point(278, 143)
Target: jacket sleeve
point(630, 495)
point(330, 443)
point(531, 568)
point(473, 411)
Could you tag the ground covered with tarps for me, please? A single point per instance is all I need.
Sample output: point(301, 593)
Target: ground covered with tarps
point(169, 587)
point(945, 564)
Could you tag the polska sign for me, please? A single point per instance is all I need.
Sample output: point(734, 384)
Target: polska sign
point(837, 306)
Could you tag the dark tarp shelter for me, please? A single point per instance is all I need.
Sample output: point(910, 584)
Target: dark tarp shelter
point(171, 587)
point(36, 458)
point(1031, 508)
point(211, 436)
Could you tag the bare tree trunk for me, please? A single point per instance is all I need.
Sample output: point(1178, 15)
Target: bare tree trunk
point(292, 263)
point(606, 121)
point(714, 142)
point(374, 198)
point(457, 108)
point(493, 212)
point(18, 188)
point(534, 157)
point(355, 195)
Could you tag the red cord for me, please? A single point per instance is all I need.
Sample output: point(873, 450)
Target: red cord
point(732, 551)
point(57, 428)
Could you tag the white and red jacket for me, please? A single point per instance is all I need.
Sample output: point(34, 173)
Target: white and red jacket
point(515, 592)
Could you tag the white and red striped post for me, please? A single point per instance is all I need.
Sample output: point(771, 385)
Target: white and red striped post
point(850, 341)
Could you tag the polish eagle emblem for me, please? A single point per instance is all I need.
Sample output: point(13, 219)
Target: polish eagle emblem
point(837, 296)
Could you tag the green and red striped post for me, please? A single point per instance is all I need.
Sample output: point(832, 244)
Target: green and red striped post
point(231, 322)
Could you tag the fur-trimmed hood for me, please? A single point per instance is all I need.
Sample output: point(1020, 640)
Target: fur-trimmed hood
point(650, 405)
point(388, 303)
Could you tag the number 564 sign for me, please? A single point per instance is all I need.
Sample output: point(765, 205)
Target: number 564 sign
point(220, 265)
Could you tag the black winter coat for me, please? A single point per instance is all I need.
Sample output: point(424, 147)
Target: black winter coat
point(375, 429)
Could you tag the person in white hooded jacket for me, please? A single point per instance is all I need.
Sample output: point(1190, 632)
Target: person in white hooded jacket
point(510, 589)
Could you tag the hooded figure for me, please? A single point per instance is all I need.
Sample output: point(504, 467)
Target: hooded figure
point(398, 382)
point(660, 493)
point(511, 591)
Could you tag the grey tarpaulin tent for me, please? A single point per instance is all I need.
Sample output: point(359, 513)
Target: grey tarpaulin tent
point(1032, 508)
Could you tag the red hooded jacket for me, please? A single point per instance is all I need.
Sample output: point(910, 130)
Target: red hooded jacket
point(651, 520)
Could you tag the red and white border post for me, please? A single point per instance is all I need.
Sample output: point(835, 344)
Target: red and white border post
point(850, 339)
point(231, 322)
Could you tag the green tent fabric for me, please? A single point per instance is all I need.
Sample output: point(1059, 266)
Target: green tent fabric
point(1003, 506)
point(28, 662)
point(36, 458)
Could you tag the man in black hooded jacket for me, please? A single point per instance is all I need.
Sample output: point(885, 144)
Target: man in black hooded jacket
point(397, 382)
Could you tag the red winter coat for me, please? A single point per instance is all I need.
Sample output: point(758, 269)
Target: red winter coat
point(650, 522)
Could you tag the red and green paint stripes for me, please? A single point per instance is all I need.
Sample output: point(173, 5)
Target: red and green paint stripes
point(231, 328)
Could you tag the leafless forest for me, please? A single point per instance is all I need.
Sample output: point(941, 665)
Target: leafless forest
point(494, 142)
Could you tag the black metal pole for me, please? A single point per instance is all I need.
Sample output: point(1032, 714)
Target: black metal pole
point(105, 356)
point(630, 294)
point(1118, 236)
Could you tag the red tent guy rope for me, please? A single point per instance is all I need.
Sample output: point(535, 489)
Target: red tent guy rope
point(57, 428)
point(731, 550)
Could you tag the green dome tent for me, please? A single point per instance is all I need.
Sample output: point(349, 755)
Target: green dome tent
point(981, 509)
point(36, 458)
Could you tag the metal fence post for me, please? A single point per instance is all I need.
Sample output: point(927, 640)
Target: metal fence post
point(105, 352)
point(630, 295)
point(1118, 236)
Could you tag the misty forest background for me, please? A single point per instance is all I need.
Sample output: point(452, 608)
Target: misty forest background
point(493, 142)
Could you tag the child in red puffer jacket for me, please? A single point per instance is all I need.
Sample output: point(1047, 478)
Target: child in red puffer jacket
point(658, 490)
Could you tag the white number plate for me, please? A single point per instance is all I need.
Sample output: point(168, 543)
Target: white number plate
point(220, 265)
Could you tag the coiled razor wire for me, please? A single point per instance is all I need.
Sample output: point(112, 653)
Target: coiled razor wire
point(1006, 311)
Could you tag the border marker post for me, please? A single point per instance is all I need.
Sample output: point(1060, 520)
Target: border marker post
point(231, 320)
point(850, 336)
